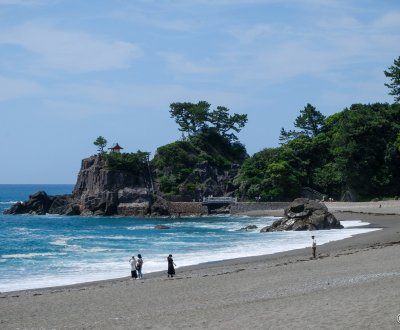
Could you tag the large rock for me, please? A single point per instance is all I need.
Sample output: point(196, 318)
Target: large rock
point(98, 191)
point(102, 191)
point(40, 203)
point(160, 207)
point(305, 214)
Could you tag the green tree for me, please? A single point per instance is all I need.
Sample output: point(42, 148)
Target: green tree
point(271, 174)
point(393, 73)
point(310, 121)
point(189, 116)
point(100, 143)
point(223, 122)
point(133, 163)
point(193, 118)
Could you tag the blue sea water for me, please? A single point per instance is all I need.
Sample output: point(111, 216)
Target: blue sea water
point(51, 250)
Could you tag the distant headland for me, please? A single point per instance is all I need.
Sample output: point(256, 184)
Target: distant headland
point(352, 155)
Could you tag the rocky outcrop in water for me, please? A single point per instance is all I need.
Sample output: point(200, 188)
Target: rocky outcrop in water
point(100, 190)
point(305, 214)
point(40, 203)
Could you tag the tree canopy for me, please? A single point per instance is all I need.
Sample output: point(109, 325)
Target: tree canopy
point(193, 118)
point(310, 122)
point(393, 73)
point(356, 150)
point(177, 164)
point(100, 143)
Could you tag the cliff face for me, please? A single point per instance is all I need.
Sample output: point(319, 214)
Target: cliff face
point(98, 191)
point(102, 191)
point(214, 182)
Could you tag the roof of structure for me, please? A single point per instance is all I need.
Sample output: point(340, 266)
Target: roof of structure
point(116, 146)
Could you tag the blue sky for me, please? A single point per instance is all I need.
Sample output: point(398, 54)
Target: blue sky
point(72, 70)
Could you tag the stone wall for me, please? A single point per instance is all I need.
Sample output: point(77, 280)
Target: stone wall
point(187, 208)
point(262, 206)
point(196, 208)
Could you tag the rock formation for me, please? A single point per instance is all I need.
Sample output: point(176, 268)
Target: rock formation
point(249, 227)
point(162, 227)
point(41, 203)
point(98, 191)
point(305, 214)
point(101, 191)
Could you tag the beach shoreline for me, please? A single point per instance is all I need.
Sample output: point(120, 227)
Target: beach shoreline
point(20, 309)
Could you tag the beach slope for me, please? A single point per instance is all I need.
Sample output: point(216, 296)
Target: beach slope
point(352, 283)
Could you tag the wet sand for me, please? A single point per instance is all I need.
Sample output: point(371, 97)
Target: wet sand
point(353, 283)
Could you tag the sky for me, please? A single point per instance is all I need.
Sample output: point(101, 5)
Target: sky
point(73, 70)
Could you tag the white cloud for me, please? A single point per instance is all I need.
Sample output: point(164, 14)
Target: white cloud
point(251, 33)
point(15, 88)
point(71, 51)
point(180, 64)
point(77, 101)
point(389, 20)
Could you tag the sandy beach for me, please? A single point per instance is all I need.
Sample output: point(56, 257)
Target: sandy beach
point(353, 283)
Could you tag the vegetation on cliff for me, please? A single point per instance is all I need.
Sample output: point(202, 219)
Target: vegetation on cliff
point(133, 163)
point(356, 150)
point(208, 144)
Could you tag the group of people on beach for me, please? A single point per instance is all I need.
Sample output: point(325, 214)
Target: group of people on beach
point(137, 264)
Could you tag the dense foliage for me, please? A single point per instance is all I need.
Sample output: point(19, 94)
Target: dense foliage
point(132, 163)
point(175, 162)
point(193, 118)
point(356, 150)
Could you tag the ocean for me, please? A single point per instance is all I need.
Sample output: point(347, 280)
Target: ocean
point(52, 250)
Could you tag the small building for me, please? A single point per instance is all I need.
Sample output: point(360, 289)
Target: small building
point(116, 148)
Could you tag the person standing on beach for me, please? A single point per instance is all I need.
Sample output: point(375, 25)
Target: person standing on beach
point(139, 265)
point(314, 246)
point(132, 261)
point(171, 264)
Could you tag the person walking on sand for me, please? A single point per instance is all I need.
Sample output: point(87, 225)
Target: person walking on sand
point(171, 264)
point(139, 265)
point(132, 261)
point(314, 246)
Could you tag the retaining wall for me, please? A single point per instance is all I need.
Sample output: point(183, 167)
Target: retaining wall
point(187, 208)
point(243, 207)
point(197, 209)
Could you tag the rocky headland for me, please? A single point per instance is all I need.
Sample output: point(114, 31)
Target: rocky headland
point(101, 190)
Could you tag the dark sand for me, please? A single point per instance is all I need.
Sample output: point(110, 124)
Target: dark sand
point(353, 284)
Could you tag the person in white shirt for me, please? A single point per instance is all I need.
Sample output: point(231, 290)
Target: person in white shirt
point(132, 261)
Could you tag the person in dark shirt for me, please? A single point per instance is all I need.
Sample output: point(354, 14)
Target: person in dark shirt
point(171, 266)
